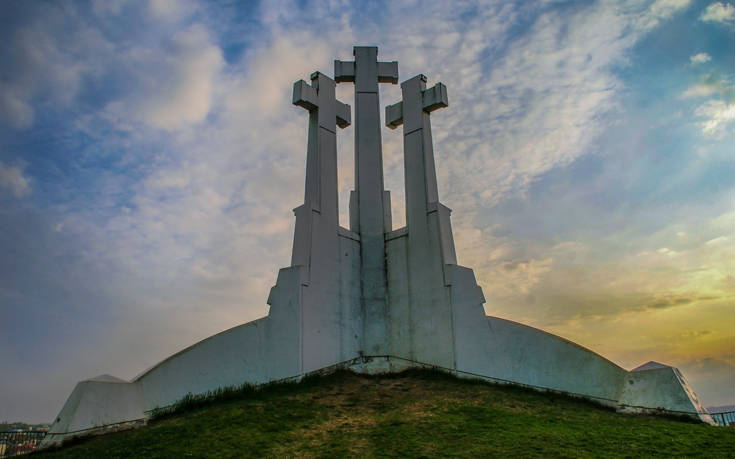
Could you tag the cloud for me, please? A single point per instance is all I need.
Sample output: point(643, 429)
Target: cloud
point(273, 69)
point(588, 281)
point(719, 12)
point(713, 365)
point(108, 7)
point(707, 86)
point(665, 9)
point(522, 276)
point(14, 108)
point(660, 10)
point(183, 94)
point(174, 82)
point(170, 10)
point(39, 69)
point(690, 334)
point(718, 116)
point(700, 58)
point(551, 89)
point(13, 180)
point(669, 301)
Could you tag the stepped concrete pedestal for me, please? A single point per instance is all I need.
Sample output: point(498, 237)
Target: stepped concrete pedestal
point(371, 298)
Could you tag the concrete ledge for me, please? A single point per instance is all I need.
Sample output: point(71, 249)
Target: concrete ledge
point(395, 234)
point(344, 232)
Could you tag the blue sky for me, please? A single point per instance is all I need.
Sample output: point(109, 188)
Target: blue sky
point(150, 158)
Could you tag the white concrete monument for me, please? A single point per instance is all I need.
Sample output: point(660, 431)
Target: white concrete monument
point(371, 298)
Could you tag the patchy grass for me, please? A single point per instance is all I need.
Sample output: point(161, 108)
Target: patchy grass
point(415, 414)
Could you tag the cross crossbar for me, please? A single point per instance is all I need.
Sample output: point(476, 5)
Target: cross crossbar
point(365, 71)
point(307, 96)
point(344, 72)
point(431, 99)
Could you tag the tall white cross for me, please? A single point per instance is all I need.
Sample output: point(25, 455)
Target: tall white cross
point(370, 203)
point(429, 243)
point(320, 195)
point(413, 113)
point(325, 112)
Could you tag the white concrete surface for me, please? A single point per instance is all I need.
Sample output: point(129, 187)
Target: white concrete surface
point(370, 210)
point(373, 298)
point(655, 387)
point(100, 403)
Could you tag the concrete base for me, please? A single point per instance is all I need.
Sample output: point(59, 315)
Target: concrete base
point(520, 355)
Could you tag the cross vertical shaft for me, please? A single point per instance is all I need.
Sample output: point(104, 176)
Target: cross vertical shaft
point(370, 206)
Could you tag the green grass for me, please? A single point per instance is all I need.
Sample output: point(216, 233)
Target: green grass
point(416, 414)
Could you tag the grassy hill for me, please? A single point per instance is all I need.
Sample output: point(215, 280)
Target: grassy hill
point(417, 413)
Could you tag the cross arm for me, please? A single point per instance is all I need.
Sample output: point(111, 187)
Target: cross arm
point(344, 71)
point(304, 95)
point(388, 72)
point(431, 99)
point(394, 115)
point(344, 117)
point(435, 97)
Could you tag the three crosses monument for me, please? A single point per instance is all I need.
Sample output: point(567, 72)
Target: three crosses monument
point(371, 298)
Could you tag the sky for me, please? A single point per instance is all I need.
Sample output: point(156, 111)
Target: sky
point(150, 159)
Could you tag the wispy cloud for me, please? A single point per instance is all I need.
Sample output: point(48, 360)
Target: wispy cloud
point(13, 180)
point(660, 10)
point(719, 12)
point(659, 278)
point(171, 10)
point(174, 82)
point(700, 58)
point(710, 84)
point(717, 113)
point(665, 9)
point(42, 68)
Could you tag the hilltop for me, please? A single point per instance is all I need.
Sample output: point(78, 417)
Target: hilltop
point(415, 413)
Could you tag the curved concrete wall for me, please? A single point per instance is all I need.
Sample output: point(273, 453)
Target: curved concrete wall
point(227, 359)
point(257, 352)
point(527, 355)
point(95, 404)
point(508, 351)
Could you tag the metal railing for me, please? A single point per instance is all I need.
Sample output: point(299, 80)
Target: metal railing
point(726, 418)
point(17, 442)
